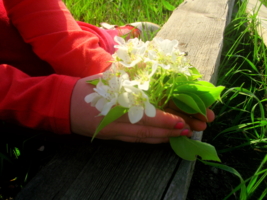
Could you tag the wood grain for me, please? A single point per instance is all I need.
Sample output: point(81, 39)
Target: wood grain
point(199, 27)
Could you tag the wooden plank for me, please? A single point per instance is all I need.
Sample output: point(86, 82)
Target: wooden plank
point(117, 170)
point(199, 26)
point(143, 166)
point(184, 175)
point(55, 179)
point(105, 170)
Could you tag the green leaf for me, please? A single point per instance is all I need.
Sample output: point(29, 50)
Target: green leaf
point(223, 167)
point(187, 104)
point(181, 80)
point(168, 6)
point(189, 149)
point(212, 96)
point(16, 152)
point(205, 83)
point(93, 82)
point(195, 73)
point(204, 90)
point(112, 115)
point(199, 102)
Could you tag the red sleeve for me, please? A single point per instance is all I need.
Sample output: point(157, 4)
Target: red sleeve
point(36, 102)
point(57, 38)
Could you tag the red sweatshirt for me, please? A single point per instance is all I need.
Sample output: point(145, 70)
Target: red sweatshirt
point(43, 52)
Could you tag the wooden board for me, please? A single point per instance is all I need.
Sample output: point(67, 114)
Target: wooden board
point(105, 170)
point(117, 170)
point(199, 26)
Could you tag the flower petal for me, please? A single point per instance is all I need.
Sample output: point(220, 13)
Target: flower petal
point(130, 83)
point(150, 110)
point(100, 104)
point(119, 40)
point(144, 85)
point(122, 53)
point(135, 114)
point(124, 100)
point(90, 97)
point(114, 83)
point(107, 107)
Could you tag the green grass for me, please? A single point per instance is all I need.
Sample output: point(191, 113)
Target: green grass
point(121, 12)
point(264, 2)
point(241, 117)
point(243, 71)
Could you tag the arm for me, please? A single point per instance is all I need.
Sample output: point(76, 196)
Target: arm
point(36, 102)
point(56, 37)
point(56, 103)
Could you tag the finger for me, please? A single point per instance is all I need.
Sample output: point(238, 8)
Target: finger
point(140, 132)
point(210, 114)
point(193, 123)
point(139, 140)
point(162, 119)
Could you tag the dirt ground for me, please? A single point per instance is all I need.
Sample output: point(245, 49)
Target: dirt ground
point(209, 183)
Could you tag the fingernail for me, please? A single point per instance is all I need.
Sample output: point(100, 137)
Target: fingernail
point(179, 125)
point(184, 132)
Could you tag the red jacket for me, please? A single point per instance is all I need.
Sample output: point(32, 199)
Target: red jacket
point(43, 52)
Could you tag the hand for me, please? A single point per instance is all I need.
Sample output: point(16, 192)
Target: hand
point(196, 122)
point(149, 130)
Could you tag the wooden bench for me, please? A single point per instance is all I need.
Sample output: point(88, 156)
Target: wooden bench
point(117, 170)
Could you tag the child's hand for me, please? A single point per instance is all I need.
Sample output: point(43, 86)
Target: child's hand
point(197, 122)
point(149, 130)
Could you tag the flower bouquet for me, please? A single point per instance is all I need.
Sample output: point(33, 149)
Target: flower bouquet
point(147, 75)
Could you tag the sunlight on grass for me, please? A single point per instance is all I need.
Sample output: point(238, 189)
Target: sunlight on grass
point(264, 2)
point(246, 78)
point(121, 12)
point(242, 115)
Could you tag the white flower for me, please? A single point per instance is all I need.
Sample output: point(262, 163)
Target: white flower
point(120, 41)
point(124, 84)
point(104, 97)
point(137, 102)
point(92, 98)
point(165, 53)
point(127, 58)
point(165, 45)
point(129, 53)
point(142, 77)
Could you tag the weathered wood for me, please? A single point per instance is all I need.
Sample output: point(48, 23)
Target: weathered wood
point(117, 170)
point(181, 181)
point(105, 170)
point(199, 26)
